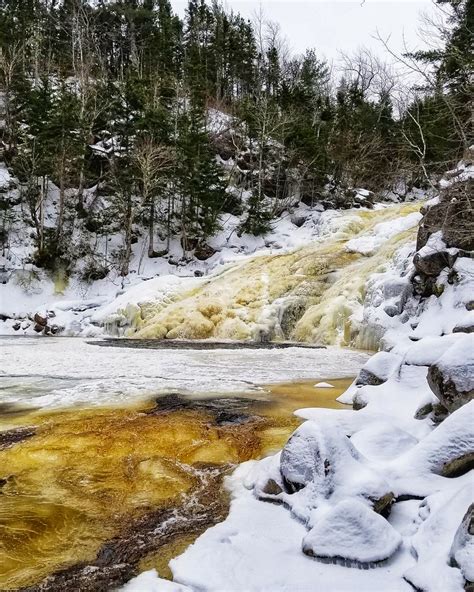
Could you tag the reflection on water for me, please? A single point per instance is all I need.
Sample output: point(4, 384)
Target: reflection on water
point(130, 486)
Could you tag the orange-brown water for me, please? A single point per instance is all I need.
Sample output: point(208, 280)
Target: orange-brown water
point(87, 473)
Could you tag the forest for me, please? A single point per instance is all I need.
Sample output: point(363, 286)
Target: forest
point(145, 122)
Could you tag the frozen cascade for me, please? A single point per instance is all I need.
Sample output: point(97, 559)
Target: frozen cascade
point(313, 294)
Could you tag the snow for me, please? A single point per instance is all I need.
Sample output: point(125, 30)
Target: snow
point(150, 581)
point(323, 385)
point(5, 177)
point(353, 532)
point(381, 233)
point(258, 549)
point(432, 544)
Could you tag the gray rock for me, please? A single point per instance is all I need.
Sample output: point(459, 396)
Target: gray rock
point(297, 220)
point(378, 369)
point(451, 378)
point(466, 327)
point(462, 549)
point(433, 263)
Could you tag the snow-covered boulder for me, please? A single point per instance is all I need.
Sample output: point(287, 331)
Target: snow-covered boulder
point(432, 544)
point(451, 378)
point(320, 463)
point(462, 549)
point(378, 369)
point(353, 535)
point(448, 450)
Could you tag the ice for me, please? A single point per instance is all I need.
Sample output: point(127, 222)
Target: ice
point(381, 233)
point(323, 385)
point(80, 373)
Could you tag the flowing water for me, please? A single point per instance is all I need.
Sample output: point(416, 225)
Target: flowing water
point(305, 295)
point(125, 489)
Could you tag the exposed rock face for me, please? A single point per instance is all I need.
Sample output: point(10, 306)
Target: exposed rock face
point(353, 535)
point(432, 264)
point(453, 215)
point(451, 378)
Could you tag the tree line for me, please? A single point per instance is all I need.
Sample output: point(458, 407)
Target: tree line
point(121, 97)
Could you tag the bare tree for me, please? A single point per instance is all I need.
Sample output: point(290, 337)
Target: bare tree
point(152, 161)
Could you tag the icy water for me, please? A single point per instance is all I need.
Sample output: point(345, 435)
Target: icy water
point(112, 460)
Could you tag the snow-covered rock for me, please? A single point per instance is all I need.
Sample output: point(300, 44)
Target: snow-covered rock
point(462, 549)
point(451, 377)
point(352, 534)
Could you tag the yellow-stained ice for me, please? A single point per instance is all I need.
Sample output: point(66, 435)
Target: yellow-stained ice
point(305, 295)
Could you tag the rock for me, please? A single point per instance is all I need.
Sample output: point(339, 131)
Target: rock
point(358, 402)
point(272, 488)
point(440, 413)
point(352, 535)
point(458, 466)
point(198, 273)
point(470, 305)
point(466, 327)
point(290, 313)
point(15, 436)
point(38, 328)
point(462, 549)
point(55, 329)
point(16, 326)
point(451, 378)
point(453, 215)
point(320, 462)
point(40, 320)
point(448, 450)
point(297, 220)
point(424, 411)
point(203, 252)
point(431, 264)
point(378, 369)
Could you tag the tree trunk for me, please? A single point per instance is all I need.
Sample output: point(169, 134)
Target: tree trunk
point(151, 229)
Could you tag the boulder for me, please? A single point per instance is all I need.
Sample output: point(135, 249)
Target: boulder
point(465, 327)
point(451, 377)
point(320, 462)
point(204, 251)
point(298, 220)
point(462, 549)
point(378, 369)
point(352, 535)
point(40, 320)
point(431, 264)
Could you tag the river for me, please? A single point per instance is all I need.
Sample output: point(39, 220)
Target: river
point(112, 459)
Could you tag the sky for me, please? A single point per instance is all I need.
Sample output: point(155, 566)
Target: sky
point(334, 26)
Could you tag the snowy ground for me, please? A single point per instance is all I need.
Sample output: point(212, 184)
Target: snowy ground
point(61, 371)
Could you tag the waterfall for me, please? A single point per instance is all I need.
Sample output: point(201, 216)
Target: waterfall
point(312, 294)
